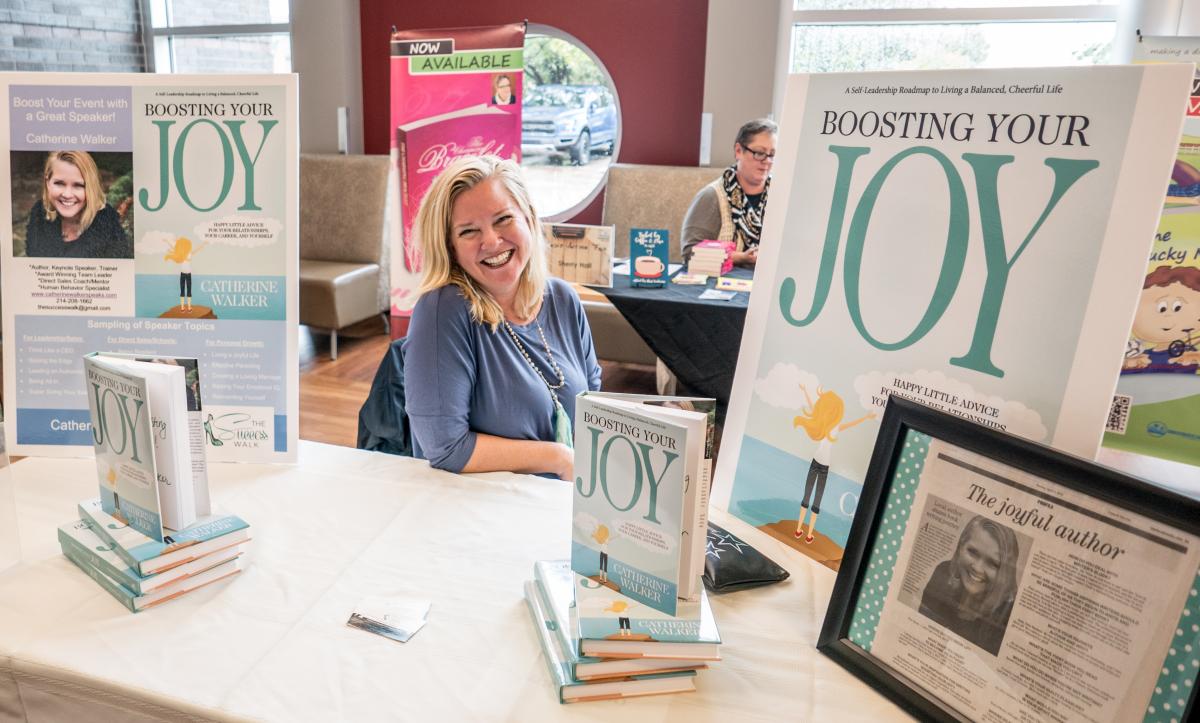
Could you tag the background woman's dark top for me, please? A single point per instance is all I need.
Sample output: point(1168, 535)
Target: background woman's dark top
point(104, 239)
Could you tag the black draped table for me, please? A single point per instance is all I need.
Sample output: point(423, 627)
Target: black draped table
point(698, 339)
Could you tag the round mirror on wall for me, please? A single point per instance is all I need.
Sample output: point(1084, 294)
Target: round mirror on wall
point(570, 122)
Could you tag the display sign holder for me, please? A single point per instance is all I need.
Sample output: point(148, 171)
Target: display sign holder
point(1062, 542)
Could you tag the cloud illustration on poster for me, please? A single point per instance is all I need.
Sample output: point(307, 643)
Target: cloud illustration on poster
point(240, 231)
point(586, 523)
point(781, 387)
point(936, 389)
point(155, 242)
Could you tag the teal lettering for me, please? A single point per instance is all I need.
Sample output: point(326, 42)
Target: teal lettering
point(164, 170)
point(655, 480)
point(637, 473)
point(595, 435)
point(248, 163)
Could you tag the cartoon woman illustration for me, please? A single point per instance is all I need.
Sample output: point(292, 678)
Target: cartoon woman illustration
point(182, 253)
point(822, 422)
point(620, 608)
point(601, 538)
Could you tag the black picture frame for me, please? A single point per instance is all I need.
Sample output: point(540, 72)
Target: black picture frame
point(1073, 473)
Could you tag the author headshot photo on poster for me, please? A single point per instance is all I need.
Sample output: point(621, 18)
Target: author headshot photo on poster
point(503, 92)
point(972, 593)
point(70, 216)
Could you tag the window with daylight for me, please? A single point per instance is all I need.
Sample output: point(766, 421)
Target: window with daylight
point(217, 36)
point(570, 122)
point(864, 35)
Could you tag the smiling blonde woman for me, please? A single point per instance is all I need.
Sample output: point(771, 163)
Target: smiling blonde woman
point(72, 218)
point(496, 351)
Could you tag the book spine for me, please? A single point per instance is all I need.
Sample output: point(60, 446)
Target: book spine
point(559, 676)
point(99, 528)
point(699, 530)
point(120, 576)
point(122, 595)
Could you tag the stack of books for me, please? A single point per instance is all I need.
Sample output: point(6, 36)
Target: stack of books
point(601, 645)
point(627, 615)
point(141, 572)
point(711, 258)
point(151, 535)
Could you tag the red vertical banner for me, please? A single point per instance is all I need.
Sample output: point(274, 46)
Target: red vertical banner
point(455, 92)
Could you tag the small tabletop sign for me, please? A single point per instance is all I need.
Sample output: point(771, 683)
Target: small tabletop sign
point(986, 577)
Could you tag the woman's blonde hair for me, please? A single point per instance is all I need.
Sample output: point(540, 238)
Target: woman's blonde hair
point(432, 228)
point(824, 416)
point(93, 194)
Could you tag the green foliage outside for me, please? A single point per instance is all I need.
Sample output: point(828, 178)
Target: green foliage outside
point(553, 60)
point(820, 49)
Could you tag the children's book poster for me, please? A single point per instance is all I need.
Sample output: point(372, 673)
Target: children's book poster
point(157, 216)
point(972, 240)
point(1156, 409)
point(455, 92)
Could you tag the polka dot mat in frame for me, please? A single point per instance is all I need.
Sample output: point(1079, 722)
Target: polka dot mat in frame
point(988, 576)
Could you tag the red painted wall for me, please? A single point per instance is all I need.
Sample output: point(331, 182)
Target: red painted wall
point(653, 49)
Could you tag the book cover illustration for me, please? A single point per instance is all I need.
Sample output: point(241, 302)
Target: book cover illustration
point(200, 432)
point(975, 251)
point(428, 145)
point(79, 538)
point(1156, 408)
point(149, 555)
point(580, 253)
point(649, 252)
point(627, 513)
point(122, 435)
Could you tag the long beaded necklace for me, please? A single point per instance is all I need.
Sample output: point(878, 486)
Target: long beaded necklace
point(562, 424)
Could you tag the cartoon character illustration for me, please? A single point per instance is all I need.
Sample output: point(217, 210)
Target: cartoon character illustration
point(620, 608)
point(182, 252)
point(1164, 337)
point(822, 422)
point(601, 537)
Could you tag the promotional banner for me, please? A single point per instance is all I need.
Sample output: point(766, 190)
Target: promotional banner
point(151, 215)
point(455, 92)
point(1156, 409)
point(973, 240)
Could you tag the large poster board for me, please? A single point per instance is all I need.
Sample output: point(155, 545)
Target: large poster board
point(973, 240)
point(191, 249)
point(455, 92)
point(1156, 410)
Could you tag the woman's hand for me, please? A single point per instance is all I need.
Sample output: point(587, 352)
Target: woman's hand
point(745, 258)
point(564, 465)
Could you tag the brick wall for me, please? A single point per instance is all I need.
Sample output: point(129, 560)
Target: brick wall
point(87, 35)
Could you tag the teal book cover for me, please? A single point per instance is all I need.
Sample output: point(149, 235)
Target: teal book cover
point(627, 510)
point(122, 436)
point(148, 555)
point(649, 257)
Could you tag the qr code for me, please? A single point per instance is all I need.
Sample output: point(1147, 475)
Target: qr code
point(1118, 414)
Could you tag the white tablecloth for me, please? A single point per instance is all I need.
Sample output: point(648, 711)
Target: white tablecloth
point(342, 525)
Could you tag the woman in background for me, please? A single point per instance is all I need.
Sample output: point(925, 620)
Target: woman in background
point(496, 351)
point(72, 218)
point(972, 593)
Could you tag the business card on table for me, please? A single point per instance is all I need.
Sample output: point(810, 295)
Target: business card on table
point(718, 295)
point(686, 279)
point(729, 283)
point(398, 618)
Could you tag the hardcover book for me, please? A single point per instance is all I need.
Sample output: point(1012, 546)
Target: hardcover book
point(137, 603)
point(147, 555)
point(122, 435)
point(599, 624)
point(635, 496)
point(976, 251)
point(573, 690)
point(170, 433)
point(649, 252)
point(198, 439)
point(79, 538)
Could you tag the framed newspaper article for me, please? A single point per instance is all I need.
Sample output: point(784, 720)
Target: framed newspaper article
point(987, 577)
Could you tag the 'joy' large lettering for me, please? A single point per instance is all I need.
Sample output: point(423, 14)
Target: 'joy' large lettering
point(986, 169)
point(642, 467)
point(171, 165)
